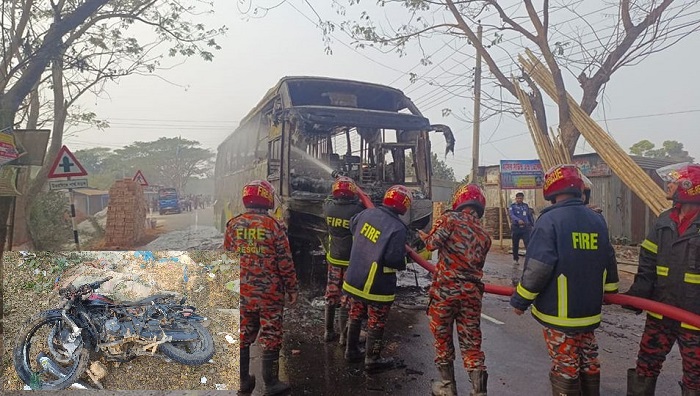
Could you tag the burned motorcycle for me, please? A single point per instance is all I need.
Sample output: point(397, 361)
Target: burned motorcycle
point(54, 347)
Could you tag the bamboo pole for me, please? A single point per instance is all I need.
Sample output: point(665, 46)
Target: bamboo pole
point(608, 149)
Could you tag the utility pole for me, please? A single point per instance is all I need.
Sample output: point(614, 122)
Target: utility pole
point(477, 111)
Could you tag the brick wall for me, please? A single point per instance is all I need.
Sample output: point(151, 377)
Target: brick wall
point(126, 214)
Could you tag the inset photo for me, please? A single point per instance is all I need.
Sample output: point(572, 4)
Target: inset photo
point(127, 320)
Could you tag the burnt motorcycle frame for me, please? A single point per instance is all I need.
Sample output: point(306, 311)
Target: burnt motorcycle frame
point(88, 322)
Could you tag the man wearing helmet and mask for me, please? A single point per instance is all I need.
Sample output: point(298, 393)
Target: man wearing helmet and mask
point(457, 289)
point(378, 252)
point(267, 274)
point(568, 256)
point(338, 210)
point(669, 272)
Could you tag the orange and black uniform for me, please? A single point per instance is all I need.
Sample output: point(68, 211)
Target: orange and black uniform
point(457, 290)
point(267, 273)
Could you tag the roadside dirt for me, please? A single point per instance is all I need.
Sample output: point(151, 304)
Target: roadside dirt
point(31, 282)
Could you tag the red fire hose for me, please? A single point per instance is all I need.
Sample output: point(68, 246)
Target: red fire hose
point(619, 299)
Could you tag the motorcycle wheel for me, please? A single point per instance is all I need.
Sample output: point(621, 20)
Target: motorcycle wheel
point(191, 353)
point(38, 332)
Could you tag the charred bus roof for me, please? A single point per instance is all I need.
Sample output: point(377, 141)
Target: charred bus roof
point(313, 97)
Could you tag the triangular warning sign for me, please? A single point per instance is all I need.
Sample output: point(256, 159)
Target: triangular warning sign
point(138, 177)
point(66, 165)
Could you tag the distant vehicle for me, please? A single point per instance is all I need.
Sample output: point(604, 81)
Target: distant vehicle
point(168, 201)
point(305, 130)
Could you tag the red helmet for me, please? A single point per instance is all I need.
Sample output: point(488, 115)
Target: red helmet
point(344, 187)
point(259, 194)
point(562, 179)
point(469, 195)
point(687, 177)
point(399, 198)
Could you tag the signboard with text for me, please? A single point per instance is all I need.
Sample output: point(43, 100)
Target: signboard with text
point(67, 184)
point(521, 174)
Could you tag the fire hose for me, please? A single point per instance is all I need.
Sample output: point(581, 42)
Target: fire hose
point(643, 304)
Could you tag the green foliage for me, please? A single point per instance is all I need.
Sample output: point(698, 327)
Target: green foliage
point(167, 161)
point(670, 149)
point(441, 171)
point(49, 221)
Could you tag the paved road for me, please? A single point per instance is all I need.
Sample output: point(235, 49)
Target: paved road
point(184, 220)
point(516, 356)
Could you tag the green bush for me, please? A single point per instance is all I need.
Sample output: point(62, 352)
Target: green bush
point(49, 221)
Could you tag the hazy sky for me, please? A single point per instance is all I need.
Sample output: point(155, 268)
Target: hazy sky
point(212, 97)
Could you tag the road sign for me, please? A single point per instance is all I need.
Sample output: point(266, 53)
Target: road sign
point(67, 184)
point(66, 165)
point(140, 178)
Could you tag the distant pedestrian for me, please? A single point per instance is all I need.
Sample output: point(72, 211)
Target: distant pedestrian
point(522, 222)
point(378, 252)
point(569, 265)
point(457, 289)
point(267, 274)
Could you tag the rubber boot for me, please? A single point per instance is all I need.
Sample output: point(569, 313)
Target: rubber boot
point(247, 380)
point(343, 322)
point(330, 334)
point(688, 392)
point(565, 387)
point(478, 379)
point(373, 361)
point(270, 370)
point(447, 385)
point(590, 384)
point(638, 385)
point(352, 348)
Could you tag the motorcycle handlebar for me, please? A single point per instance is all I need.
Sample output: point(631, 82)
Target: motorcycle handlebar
point(97, 284)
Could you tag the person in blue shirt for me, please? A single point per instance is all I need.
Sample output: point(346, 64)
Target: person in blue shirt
point(521, 226)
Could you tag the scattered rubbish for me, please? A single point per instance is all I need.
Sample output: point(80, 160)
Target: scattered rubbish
point(296, 352)
point(230, 339)
point(221, 386)
point(203, 380)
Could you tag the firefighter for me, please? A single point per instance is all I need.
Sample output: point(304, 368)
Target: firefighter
point(338, 211)
point(378, 252)
point(669, 272)
point(267, 274)
point(568, 256)
point(457, 289)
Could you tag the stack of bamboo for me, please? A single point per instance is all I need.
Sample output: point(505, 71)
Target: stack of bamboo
point(550, 154)
point(608, 149)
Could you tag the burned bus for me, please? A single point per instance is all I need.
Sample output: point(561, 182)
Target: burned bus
point(307, 130)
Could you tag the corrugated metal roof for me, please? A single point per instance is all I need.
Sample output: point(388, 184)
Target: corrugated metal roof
point(652, 163)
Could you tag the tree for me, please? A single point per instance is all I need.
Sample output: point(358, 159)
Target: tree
point(440, 169)
point(574, 43)
point(87, 43)
point(670, 149)
point(170, 161)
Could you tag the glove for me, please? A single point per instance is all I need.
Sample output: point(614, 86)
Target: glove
point(637, 311)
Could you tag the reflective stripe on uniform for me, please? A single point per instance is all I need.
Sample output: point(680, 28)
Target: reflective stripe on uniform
point(334, 261)
point(610, 287)
point(692, 278)
point(650, 246)
point(683, 325)
point(388, 270)
point(562, 296)
point(365, 292)
point(660, 270)
point(526, 294)
point(566, 322)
